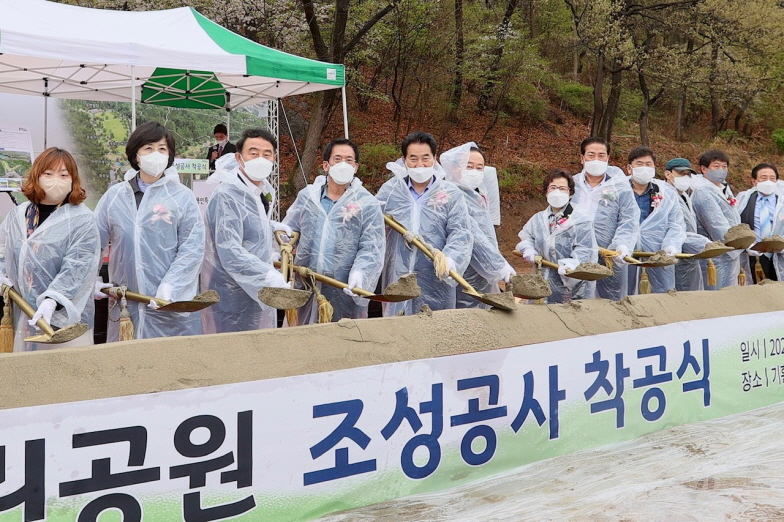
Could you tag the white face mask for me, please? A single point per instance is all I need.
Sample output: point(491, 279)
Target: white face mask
point(682, 183)
point(420, 174)
point(557, 199)
point(258, 169)
point(154, 163)
point(471, 178)
point(223, 143)
point(55, 189)
point(341, 173)
point(717, 175)
point(643, 175)
point(596, 167)
point(766, 188)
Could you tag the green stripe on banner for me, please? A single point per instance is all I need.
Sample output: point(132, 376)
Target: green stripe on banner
point(271, 63)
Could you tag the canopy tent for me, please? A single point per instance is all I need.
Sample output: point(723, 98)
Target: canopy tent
point(175, 57)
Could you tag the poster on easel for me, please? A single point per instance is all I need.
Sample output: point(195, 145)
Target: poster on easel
point(16, 156)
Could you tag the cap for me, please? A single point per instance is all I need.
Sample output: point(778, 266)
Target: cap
point(679, 164)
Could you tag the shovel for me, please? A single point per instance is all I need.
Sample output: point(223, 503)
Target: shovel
point(49, 335)
point(199, 302)
point(402, 290)
point(581, 272)
point(285, 298)
point(741, 237)
point(769, 245)
point(503, 301)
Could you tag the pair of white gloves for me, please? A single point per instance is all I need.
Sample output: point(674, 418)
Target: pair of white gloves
point(164, 292)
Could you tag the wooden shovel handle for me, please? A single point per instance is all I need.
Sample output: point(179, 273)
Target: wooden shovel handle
point(638, 253)
point(29, 311)
point(139, 298)
point(393, 224)
point(628, 259)
point(545, 262)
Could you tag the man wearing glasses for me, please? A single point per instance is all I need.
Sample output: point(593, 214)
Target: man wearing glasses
point(608, 198)
point(341, 233)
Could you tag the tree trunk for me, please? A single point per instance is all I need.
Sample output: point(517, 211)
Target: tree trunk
point(532, 19)
point(498, 54)
point(316, 125)
point(714, 96)
point(608, 118)
point(457, 84)
point(646, 108)
point(598, 97)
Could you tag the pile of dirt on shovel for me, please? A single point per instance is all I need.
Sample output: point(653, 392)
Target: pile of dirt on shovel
point(661, 258)
point(210, 296)
point(594, 268)
point(405, 286)
point(738, 232)
point(532, 286)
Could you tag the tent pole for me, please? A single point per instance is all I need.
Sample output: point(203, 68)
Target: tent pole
point(133, 98)
point(46, 111)
point(228, 122)
point(345, 112)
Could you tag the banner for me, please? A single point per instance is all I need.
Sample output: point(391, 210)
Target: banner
point(299, 447)
point(16, 156)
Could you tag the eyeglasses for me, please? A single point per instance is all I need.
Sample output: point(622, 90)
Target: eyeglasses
point(557, 187)
point(338, 159)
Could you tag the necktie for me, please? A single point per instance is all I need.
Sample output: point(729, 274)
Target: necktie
point(766, 219)
point(220, 150)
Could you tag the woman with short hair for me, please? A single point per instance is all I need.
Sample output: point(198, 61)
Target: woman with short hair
point(561, 233)
point(156, 234)
point(50, 250)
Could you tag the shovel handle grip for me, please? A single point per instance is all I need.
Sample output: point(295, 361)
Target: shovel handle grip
point(329, 280)
point(545, 262)
point(29, 311)
point(139, 298)
point(628, 259)
point(400, 229)
point(286, 260)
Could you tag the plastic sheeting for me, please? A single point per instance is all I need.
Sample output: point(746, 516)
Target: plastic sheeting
point(237, 259)
point(350, 238)
point(59, 260)
point(778, 229)
point(688, 272)
point(487, 266)
point(662, 228)
point(573, 239)
point(440, 216)
point(616, 219)
point(724, 469)
point(161, 242)
point(715, 215)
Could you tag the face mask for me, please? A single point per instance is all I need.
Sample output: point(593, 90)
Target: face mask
point(420, 174)
point(596, 167)
point(55, 189)
point(682, 184)
point(258, 169)
point(471, 179)
point(643, 175)
point(717, 175)
point(223, 143)
point(766, 188)
point(341, 173)
point(557, 199)
point(154, 163)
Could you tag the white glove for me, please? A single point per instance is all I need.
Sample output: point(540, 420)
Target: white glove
point(164, 293)
point(623, 251)
point(753, 252)
point(44, 312)
point(99, 284)
point(152, 305)
point(276, 280)
point(509, 272)
point(277, 226)
point(354, 281)
point(4, 281)
point(671, 251)
point(450, 264)
point(275, 256)
point(529, 254)
point(567, 264)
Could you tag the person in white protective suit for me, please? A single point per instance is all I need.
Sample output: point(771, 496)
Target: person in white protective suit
point(239, 254)
point(688, 272)
point(661, 220)
point(50, 251)
point(341, 233)
point(762, 208)
point(428, 206)
point(464, 166)
point(716, 209)
point(604, 192)
point(156, 236)
point(561, 233)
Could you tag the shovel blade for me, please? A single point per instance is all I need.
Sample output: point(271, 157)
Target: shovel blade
point(403, 289)
point(768, 246)
point(713, 252)
point(502, 301)
point(284, 298)
point(63, 335)
point(200, 302)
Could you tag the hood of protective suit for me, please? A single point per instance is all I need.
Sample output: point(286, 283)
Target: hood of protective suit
point(169, 174)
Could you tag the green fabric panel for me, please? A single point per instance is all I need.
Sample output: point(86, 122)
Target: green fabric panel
point(184, 89)
point(271, 63)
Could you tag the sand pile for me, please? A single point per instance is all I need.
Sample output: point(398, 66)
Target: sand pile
point(530, 286)
point(740, 236)
point(283, 298)
point(406, 286)
point(210, 296)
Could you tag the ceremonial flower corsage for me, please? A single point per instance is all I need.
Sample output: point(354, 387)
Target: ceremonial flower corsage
point(162, 213)
point(349, 211)
point(732, 201)
point(656, 199)
point(439, 200)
